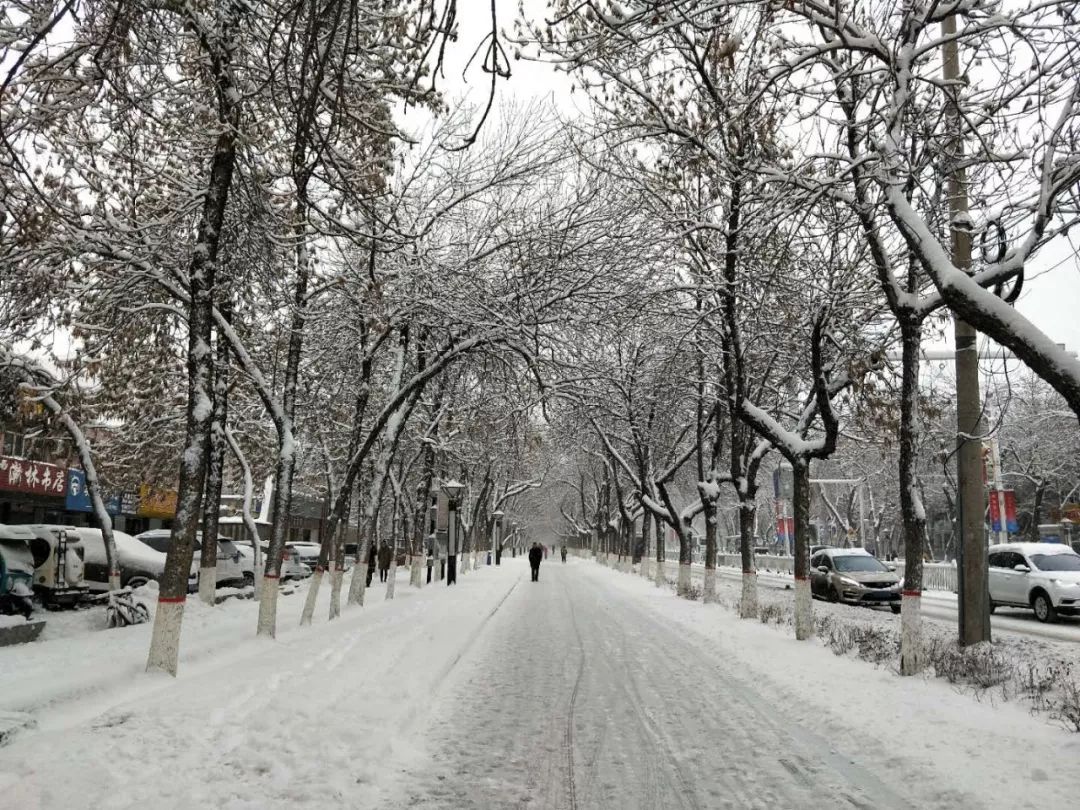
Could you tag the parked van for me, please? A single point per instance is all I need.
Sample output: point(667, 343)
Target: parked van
point(229, 571)
point(138, 562)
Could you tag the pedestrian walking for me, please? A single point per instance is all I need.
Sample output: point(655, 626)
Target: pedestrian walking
point(372, 561)
point(536, 554)
point(562, 551)
point(384, 561)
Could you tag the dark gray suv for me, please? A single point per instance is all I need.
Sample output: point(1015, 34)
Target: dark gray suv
point(855, 576)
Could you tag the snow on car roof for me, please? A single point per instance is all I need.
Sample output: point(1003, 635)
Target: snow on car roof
point(1034, 548)
point(847, 552)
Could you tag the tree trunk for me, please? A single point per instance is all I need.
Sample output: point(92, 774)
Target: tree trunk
point(215, 473)
point(911, 506)
point(247, 517)
point(708, 593)
point(748, 601)
point(1036, 512)
point(93, 487)
point(804, 617)
point(172, 588)
point(661, 552)
point(646, 545)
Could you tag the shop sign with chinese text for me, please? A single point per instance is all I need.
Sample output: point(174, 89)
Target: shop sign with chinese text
point(34, 477)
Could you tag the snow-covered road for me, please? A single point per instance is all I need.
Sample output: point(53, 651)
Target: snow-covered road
point(581, 697)
point(588, 689)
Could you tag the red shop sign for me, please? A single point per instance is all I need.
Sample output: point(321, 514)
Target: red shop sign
point(32, 476)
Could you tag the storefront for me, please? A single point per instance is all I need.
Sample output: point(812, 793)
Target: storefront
point(32, 492)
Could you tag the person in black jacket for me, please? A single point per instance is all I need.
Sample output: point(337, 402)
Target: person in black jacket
point(372, 559)
point(536, 554)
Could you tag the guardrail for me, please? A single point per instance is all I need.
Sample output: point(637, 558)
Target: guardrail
point(936, 576)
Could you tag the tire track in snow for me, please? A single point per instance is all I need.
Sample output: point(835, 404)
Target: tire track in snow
point(569, 737)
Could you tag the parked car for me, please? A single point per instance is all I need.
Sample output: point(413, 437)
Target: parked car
point(309, 553)
point(138, 562)
point(291, 566)
point(1042, 576)
point(229, 572)
point(855, 576)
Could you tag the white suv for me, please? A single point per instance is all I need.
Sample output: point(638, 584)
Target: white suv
point(1041, 576)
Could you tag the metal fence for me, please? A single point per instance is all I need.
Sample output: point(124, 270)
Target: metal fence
point(936, 576)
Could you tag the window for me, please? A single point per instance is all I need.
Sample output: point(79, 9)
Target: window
point(14, 445)
point(1013, 559)
point(1056, 562)
point(858, 562)
point(997, 559)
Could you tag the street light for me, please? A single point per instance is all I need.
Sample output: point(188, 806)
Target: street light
point(497, 515)
point(453, 490)
point(513, 536)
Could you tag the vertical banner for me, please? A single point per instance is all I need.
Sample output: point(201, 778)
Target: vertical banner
point(1011, 524)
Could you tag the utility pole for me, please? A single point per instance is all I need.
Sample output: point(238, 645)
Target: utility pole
point(972, 574)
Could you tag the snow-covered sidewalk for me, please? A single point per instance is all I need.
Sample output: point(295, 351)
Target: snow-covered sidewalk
point(309, 720)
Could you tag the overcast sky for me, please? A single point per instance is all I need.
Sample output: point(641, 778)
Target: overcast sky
point(1051, 296)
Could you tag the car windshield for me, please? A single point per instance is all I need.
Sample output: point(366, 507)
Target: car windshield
point(1056, 562)
point(858, 562)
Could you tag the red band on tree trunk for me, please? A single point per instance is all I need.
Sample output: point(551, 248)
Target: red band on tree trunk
point(911, 593)
point(799, 578)
point(171, 600)
point(271, 576)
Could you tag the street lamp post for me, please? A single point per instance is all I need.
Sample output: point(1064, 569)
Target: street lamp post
point(496, 540)
point(453, 490)
point(513, 538)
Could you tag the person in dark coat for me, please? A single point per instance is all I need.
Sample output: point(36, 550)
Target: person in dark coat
point(371, 562)
point(536, 554)
point(384, 561)
point(562, 551)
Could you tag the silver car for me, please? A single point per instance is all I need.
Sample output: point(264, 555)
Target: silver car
point(854, 576)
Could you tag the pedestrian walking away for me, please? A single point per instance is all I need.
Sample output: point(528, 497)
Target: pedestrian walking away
point(384, 561)
point(372, 561)
point(562, 551)
point(536, 554)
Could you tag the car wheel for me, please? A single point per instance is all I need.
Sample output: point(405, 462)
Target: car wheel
point(1044, 608)
point(136, 582)
point(993, 608)
point(249, 579)
point(834, 595)
point(895, 609)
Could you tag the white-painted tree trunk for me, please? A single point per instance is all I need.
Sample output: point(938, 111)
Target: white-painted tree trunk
point(804, 609)
point(748, 601)
point(391, 578)
point(165, 642)
point(260, 569)
point(308, 613)
point(267, 625)
point(646, 567)
point(708, 592)
point(358, 584)
point(207, 585)
point(337, 574)
point(683, 584)
point(911, 650)
point(661, 575)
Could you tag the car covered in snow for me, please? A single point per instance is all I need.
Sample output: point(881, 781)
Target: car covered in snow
point(138, 562)
point(1042, 576)
point(229, 572)
point(854, 576)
